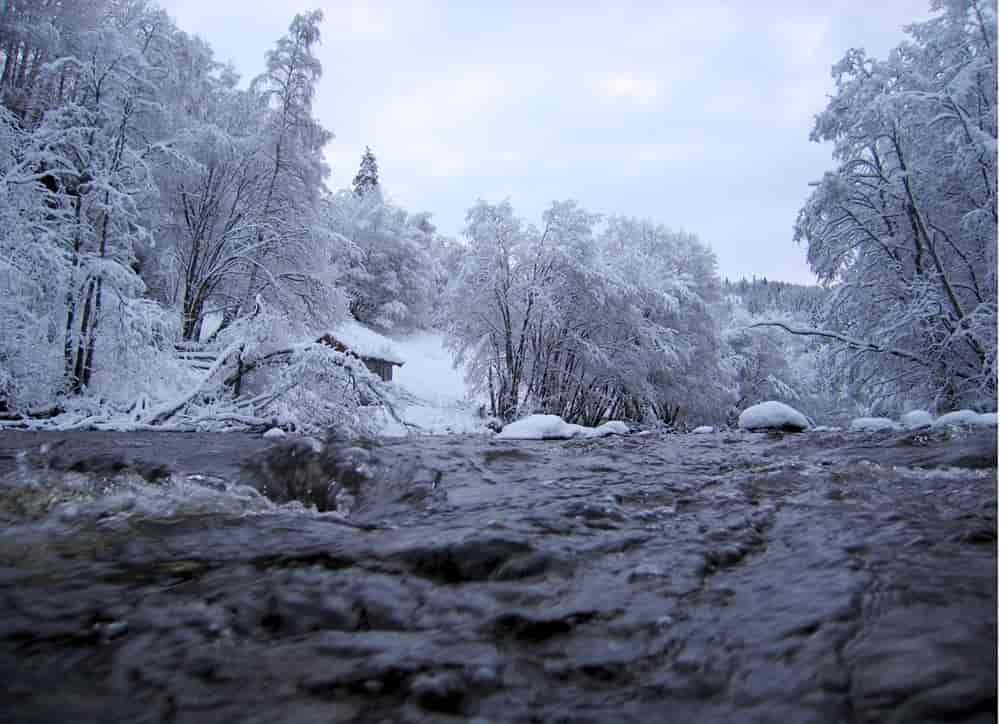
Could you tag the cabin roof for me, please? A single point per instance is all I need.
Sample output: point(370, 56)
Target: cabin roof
point(365, 343)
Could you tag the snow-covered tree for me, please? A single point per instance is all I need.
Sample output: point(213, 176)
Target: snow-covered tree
point(366, 181)
point(35, 267)
point(905, 228)
point(388, 274)
point(584, 325)
point(144, 189)
point(289, 233)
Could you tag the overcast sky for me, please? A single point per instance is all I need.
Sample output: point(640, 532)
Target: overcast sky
point(694, 114)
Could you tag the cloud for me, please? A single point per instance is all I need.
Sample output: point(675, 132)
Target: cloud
point(626, 85)
point(804, 37)
point(657, 152)
point(364, 18)
point(448, 103)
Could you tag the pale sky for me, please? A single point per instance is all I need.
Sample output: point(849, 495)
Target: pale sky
point(693, 114)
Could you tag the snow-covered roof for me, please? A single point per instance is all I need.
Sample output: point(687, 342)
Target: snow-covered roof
point(365, 342)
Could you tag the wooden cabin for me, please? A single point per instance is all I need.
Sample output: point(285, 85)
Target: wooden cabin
point(382, 366)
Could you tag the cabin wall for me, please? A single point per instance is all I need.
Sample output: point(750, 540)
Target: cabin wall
point(380, 367)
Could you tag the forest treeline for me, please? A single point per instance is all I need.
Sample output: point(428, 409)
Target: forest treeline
point(153, 203)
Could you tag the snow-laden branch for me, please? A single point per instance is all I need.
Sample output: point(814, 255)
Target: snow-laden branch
point(849, 342)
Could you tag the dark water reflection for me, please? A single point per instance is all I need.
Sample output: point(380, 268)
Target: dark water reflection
point(809, 578)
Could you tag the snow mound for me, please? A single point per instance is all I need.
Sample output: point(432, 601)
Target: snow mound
point(873, 424)
point(703, 430)
point(772, 415)
point(365, 342)
point(967, 417)
point(916, 419)
point(825, 428)
point(554, 427)
point(274, 433)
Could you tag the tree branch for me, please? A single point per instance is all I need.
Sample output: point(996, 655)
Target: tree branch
point(849, 342)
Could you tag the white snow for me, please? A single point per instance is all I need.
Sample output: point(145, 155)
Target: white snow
point(703, 430)
point(429, 373)
point(873, 424)
point(553, 427)
point(772, 415)
point(825, 428)
point(967, 417)
point(274, 433)
point(428, 419)
point(365, 342)
point(210, 325)
point(431, 395)
point(916, 419)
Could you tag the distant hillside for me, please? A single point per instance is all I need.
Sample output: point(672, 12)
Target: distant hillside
point(761, 296)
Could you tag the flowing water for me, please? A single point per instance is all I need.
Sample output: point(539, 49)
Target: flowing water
point(822, 577)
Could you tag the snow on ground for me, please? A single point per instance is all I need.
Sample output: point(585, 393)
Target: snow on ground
point(428, 372)
point(772, 415)
point(433, 396)
point(553, 427)
point(703, 430)
point(873, 424)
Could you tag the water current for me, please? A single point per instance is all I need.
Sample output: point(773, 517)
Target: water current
point(732, 577)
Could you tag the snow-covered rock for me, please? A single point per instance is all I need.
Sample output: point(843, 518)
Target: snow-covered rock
point(916, 419)
point(613, 427)
point(703, 430)
point(967, 417)
point(554, 427)
point(825, 428)
point(987, 419)
point(873, 424)
point(274, 433)
point(772, 415)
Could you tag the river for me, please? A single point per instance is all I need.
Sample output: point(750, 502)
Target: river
point(731, 577)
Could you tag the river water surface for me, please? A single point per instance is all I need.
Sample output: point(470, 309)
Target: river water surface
point(821, 577)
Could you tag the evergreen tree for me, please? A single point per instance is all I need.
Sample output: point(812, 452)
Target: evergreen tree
point(367, 178)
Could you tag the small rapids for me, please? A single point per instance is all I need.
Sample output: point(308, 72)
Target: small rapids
point(820, 577)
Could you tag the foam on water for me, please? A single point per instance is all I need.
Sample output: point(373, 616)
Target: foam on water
point(67, 498)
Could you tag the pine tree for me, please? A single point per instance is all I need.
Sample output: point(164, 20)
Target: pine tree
point(367, 178)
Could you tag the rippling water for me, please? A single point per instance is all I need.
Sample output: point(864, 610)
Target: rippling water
point(729, 577)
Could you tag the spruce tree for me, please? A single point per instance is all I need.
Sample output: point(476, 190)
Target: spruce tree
point(367, 178)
